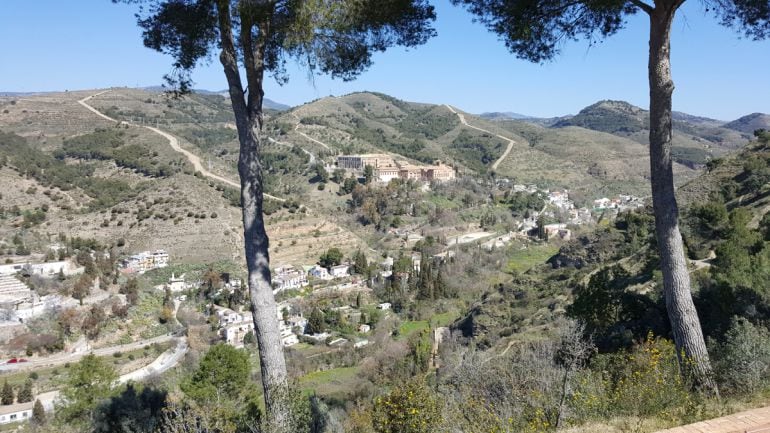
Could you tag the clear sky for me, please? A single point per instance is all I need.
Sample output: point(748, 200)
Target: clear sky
point(86, 44)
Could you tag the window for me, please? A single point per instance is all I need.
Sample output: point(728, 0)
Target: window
point(13, 416)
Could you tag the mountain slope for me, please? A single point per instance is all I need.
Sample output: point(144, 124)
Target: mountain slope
point(750, 123)
point(696, 139)
point(585, 161)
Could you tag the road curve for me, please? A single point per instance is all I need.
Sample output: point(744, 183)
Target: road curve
point(507, 149)
point(162, 363)
point(174, 143)
point(63, 358)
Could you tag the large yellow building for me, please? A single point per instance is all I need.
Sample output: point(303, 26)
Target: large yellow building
point(386, 168)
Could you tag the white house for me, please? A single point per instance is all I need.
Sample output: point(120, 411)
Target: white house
point(46, 269)
point(176, 284)
point(339, 270)
point(145, 261)
point(319, 272)
point(384, 306)
point(227, 316)
point(235, 333)
point(364, 328)
point(287, 277)
point(288, 338)
point(16, 412)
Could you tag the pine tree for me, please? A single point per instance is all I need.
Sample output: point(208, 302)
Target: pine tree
point(25, 393)
point(360, 263)
point(38, 413)
point(315, 324)
point(6, 395)
point(439, 286)
point(425, 284)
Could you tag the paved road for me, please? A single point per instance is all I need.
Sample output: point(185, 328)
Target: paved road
point(62, 358)
point(162, 363)
point(507, 149)
point(174, 143)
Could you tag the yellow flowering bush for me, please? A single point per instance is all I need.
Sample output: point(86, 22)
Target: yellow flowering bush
point(646, 381)
point(408, 408)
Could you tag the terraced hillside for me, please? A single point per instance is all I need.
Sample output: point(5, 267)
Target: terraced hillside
point(585, 161)
point(69, 170)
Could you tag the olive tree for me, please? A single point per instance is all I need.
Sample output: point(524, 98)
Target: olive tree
point(254, 37)
point(535, 30)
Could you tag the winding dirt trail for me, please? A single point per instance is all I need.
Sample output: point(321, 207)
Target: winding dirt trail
point(296, 129)
point(174, 143)
point(465, 123)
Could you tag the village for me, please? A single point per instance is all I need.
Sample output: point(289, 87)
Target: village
point(18, 302)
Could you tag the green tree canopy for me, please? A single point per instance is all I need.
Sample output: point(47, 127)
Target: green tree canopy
point(332, 257)
point(88, 383)
point(222, 373)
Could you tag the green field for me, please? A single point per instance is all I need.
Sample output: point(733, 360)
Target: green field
point(412, 326)
point(521, 260)
point(333, 381)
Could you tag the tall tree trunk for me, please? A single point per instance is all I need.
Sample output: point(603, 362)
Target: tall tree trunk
point(688, 336)
point(248, 120)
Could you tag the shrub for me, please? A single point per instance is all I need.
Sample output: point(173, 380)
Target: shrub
point(742, 362)
point(409, 408)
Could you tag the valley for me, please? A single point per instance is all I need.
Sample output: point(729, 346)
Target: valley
point(406, 240)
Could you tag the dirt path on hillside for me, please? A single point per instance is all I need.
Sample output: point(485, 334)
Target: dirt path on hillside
point(174, 143)
point(507, 149)
point(296, 129)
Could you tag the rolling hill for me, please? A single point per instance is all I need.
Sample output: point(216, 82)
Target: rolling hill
point(154, 187)
point(750, 123)
point(587, 161)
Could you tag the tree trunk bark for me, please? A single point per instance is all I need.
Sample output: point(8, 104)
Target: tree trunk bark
point(248, 120)
point(688, 336)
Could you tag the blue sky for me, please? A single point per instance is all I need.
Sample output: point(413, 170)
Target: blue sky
point(85, 44)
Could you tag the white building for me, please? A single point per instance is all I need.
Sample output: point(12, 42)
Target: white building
point(339, 270)
point(384, 306)
point(227, 316)
point(145, 261)
point(364, 328)
point(47, 269)
point(16, 412)
point(177, 284)
point(319, 272)
point(236, 332)
point(287, 277)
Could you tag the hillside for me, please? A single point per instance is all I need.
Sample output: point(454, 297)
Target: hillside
point(696, 139)
point(750, 123)
point(67, 170)
point(725, 224)
point(154, 187)
point(585, 161)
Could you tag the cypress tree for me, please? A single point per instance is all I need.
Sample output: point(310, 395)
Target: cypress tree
point(439, 286)
point(6, 395)
point(25, 393)
point(38, 413)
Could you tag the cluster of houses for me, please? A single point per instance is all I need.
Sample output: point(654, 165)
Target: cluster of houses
point(287, 277)
point(387, 168)
point(144, 261)
point(621, 202)
point(17, 297)
point(234, 325)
